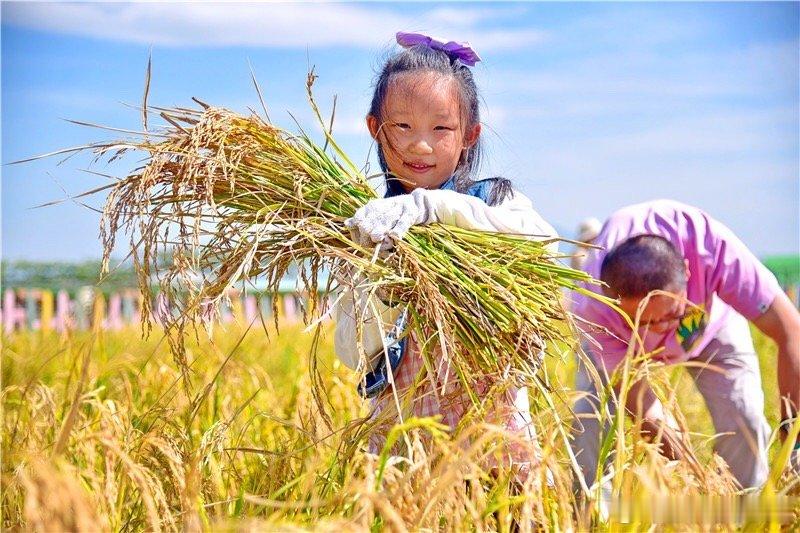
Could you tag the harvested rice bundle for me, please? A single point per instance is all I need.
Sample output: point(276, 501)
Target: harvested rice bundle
point(231, 198)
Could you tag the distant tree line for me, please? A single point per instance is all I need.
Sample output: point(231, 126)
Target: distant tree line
point(57, 275)
point(71, 276)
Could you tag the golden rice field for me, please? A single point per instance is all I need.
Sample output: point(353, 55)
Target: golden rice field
point(100, 433)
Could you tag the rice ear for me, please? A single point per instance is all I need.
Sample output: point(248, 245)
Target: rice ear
point(225, 199)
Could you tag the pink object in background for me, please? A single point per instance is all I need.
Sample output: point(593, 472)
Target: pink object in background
point(114, 319)
point(250, 309)
point(62, 311)
point(123, 309)
point(161, 311)
point(289, 308)
point(138, 301)
point(9, 310)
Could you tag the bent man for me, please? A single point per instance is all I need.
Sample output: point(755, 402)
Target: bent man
point(712, 285)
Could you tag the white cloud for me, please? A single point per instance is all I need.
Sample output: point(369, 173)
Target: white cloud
point(496, 116)
point(636, 25)
point(569, 181)
point(471, 16)
point(741, 134)
point(350, 124)
point(195, 24)
point(495, 40)
point(750, 71)
point(268, 25)
point(712, 144)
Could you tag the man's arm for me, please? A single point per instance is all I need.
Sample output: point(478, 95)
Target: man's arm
point(641, 403)
point(781, 323)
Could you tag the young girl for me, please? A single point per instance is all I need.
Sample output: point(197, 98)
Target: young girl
point(425, 120)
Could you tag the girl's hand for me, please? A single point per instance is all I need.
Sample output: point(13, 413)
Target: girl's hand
point(386, 220)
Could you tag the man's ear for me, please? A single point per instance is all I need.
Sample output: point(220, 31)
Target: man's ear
point(373, 125)
point(471, 135)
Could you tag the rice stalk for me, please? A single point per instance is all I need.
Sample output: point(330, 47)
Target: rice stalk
point(223, 199)
point(255, 455)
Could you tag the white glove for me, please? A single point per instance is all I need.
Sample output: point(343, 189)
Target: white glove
point(386, 220)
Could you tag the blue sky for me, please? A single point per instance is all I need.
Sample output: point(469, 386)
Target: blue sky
point(587, 107)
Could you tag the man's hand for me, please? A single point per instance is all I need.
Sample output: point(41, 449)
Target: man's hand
point(643, 406)
point(672, 443)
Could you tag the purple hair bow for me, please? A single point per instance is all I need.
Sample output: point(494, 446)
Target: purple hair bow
point(462, 51)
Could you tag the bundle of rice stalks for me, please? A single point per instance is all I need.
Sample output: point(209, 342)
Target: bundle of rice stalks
point(231, 198)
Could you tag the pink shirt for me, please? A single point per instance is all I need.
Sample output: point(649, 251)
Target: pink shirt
point(723, 274)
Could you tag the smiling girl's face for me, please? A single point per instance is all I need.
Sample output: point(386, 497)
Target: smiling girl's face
point(423, 133)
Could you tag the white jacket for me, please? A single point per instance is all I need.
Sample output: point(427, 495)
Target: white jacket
point(515, 215)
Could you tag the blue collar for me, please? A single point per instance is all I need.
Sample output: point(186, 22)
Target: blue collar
point(480, 189)
point(394, 188)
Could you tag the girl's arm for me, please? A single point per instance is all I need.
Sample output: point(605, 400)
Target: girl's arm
point(385, 219)
point(515, 215)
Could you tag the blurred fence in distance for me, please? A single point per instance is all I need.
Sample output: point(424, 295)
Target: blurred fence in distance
point(43, 309)
point(58, 296)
